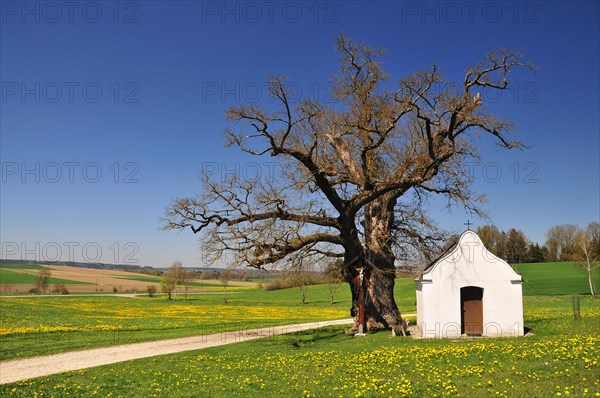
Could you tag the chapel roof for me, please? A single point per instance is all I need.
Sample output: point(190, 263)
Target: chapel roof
point(444, 253)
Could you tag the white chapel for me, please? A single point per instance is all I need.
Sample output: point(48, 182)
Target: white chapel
point(469, 291)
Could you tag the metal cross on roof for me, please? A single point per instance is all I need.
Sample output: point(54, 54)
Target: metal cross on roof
point(468, 224)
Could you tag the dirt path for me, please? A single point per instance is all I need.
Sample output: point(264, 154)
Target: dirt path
point(21, 369)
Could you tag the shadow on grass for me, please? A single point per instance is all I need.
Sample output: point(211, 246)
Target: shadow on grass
point(312, 337)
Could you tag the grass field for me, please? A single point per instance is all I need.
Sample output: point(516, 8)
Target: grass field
point(32, 326)
point(539, 279)
point(560, 359)
point(21, 266)
point(214, 285)
point(20, 278)
point(8, 276)
point(155, 279)
point(555, 278)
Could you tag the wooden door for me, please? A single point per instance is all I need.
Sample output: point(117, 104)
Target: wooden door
point(471, 299)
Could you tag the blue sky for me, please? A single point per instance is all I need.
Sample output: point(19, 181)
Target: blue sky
point(109, 110)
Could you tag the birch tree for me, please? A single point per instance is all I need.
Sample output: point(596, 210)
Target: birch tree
point(585, 253)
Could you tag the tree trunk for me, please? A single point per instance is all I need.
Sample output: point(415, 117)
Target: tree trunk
point(589, 270)
point(303, 291)
point(379, 275)
point(380, 309)
point(332, 291)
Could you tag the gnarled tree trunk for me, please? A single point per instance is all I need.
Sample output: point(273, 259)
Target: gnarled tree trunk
point(380, 309)
point(379, 274)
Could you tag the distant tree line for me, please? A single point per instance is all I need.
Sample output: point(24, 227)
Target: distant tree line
point(565, 242)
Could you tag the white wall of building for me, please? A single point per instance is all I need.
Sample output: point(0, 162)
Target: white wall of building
point(469, 264)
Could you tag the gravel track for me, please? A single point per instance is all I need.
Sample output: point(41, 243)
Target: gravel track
point(28, 368)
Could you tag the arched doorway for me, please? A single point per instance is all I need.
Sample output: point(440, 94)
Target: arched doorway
point(471, 304)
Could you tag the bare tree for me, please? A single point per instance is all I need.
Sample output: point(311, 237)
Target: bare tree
point(186, 277)
point(333, 277)
point(560, 241)
point(225, 277)
point(584, 253)
point(42, 280)
point(301, 276)
point(170, 279)
point(356, 176)
point(151, 290)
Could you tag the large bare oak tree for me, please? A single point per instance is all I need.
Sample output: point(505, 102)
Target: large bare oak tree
point(356, 173)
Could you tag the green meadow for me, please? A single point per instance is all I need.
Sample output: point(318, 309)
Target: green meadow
point(556, 278)
point(21, 266)
point(34, 326)
point(156, 279)
point(560, 356)
point(44, 325)
point(10, 277)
